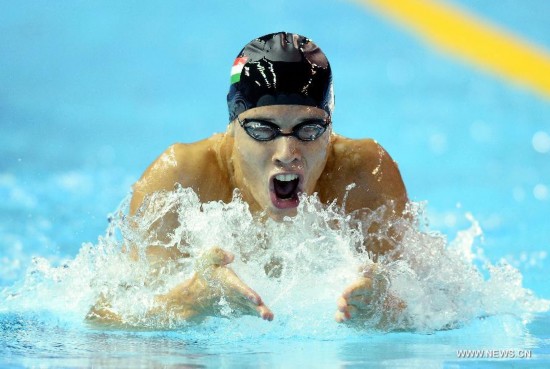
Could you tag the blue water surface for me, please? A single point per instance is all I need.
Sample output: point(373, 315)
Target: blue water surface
point(92, 92)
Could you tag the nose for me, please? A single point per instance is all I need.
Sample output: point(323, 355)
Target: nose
point(287, 151)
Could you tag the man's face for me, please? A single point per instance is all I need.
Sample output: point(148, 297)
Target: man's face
point(272, 173)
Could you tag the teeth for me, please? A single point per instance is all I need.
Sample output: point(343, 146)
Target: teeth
point(286, 177)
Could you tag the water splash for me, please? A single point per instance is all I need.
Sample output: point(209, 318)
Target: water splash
point(299, 266)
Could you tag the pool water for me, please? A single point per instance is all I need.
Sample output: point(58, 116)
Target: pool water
point(90, 94)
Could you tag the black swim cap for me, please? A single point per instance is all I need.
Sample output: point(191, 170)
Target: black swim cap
point(280, 69)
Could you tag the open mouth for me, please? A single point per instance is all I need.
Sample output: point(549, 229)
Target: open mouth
point(285, 190)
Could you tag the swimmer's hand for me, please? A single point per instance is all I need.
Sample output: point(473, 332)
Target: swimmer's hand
point(367, 299)
point(194, 299)
point(213, 281)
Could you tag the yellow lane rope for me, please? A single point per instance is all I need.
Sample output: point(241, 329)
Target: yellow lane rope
point(473, 39)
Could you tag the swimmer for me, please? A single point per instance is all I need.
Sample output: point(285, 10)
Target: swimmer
point(279, 143)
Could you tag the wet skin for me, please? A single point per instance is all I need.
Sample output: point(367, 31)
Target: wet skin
point(214, 167)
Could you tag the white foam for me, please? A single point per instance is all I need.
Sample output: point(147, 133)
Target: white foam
point(442, 283)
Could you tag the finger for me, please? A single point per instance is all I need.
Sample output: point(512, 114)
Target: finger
point(342, 304)
point(218, 256)
point(344, 310)
point(241, 295)
point(239, 288)
point(252, 302)
point(340, 317)
point(264, 312)
point(343, 316)
point(243, 305)
point(228, 258)
point(359, 287)
point(213, 257)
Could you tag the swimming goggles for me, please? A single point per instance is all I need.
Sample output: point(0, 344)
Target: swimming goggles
point(262, 130)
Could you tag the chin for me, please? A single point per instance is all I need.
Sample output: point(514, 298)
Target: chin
point(279, 214)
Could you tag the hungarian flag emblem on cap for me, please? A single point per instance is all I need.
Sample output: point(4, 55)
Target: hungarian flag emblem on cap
point(237, 68)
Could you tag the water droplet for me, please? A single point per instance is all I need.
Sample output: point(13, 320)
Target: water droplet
point(541, 142)
point(540, 192)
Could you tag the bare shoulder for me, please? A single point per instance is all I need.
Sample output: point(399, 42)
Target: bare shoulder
point(190, 165)
point(367, 165)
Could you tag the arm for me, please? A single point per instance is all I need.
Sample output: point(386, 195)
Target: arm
point(381, 190)
point(379, 197)
point(190, 165)
point(162, 175)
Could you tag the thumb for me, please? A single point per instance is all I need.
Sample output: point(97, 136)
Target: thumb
point(215, 256)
